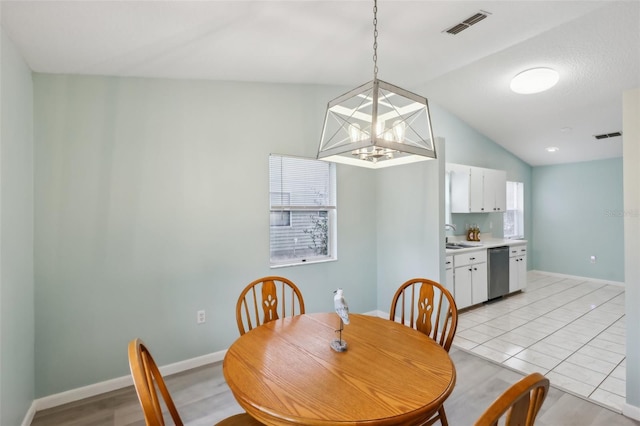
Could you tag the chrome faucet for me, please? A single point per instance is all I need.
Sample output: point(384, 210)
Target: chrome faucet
point(449, 226)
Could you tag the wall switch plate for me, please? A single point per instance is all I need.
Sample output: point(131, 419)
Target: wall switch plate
point(200, 317)
point(592, 259)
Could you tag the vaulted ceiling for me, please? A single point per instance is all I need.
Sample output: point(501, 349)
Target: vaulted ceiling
point(594, 45)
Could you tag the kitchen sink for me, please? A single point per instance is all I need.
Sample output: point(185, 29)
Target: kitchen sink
point(463, 244)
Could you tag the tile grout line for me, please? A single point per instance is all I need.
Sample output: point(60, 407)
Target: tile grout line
point(511, 310)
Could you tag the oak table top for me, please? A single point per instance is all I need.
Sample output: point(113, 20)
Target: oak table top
point(285, 372)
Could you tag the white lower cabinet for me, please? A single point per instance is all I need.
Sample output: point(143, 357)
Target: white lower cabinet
point(449, 284)
point(517, 267)
point(470, 278)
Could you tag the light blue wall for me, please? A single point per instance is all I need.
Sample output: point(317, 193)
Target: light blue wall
point(578, 212)
point(152, 203)
point(16, 236)
point(410, 225)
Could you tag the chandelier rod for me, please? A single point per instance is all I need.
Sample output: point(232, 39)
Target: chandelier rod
point(375, 39)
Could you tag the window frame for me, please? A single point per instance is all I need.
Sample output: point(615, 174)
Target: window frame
point(325, 203)
point(518, 210)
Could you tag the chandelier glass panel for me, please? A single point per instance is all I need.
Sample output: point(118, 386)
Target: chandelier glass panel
point(377, 125)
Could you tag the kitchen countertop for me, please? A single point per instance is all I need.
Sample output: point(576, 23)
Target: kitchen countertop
point(485, 244)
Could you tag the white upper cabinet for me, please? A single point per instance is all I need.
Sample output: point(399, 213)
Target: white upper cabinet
point(495, 190)
point(477, 190)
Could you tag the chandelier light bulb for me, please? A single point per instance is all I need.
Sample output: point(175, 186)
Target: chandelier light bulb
point(354, 132)
point(379, 128)
point(399, 130)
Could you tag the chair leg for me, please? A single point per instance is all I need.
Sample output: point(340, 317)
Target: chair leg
point(443, 416)
point(440, 416)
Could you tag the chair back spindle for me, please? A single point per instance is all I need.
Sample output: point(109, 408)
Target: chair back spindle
point(267, 299)
point(147, 378)
point(430, 309)
point(519, 405)
point(147, 381)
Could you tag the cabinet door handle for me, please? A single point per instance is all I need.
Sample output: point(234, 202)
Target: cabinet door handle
point(470, 269)
point(448, 263)
point(475, 269)
point(472, 258)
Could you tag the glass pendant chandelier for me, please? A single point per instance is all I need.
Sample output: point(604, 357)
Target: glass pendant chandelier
point(377, 124)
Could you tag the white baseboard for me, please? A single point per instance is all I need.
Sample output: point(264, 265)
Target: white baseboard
point(631, 411)
point(576, 277)
point(118, 383)
point(125, 381)
point(77, 394)
point(377, 313)
point(28, 418)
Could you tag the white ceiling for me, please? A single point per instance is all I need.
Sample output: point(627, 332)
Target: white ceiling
point(594, 45)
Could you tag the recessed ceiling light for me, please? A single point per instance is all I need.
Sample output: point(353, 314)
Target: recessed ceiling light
point(552, 149)
point(534, 80)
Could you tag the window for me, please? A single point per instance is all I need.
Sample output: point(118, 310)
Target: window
point(514, 216)
point(302, 215)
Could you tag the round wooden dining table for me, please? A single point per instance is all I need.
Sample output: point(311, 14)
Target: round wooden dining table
point(286, 373)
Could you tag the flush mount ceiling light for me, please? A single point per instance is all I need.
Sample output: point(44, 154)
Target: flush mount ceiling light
point(552, 149)
point(535, 80)
point(377, 124)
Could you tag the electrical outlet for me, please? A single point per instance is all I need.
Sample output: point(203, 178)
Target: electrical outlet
point(592, 259)
point(200, 317)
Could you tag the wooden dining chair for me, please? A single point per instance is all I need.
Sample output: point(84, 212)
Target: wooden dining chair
point(428, 307)
point(267, 299)
point(148, 381)
point(521, 403)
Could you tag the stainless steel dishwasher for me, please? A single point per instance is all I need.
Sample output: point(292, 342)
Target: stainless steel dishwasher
point(498, 271)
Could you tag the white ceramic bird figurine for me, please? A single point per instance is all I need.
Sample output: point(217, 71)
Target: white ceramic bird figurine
point(342, 309)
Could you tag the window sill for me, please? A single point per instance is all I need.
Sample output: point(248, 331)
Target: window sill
point(302, 262)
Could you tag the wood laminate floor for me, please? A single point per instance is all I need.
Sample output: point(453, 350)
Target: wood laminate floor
point(203, 398)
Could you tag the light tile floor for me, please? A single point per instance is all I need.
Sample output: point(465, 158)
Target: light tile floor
point(571, 330)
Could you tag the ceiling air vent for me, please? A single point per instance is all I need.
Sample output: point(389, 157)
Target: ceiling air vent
point(467, 22)
point(608, 135)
